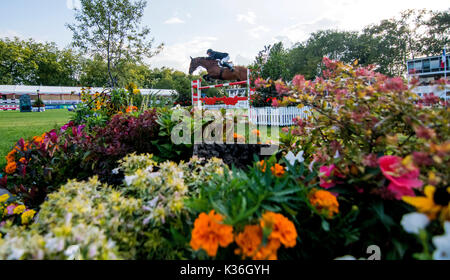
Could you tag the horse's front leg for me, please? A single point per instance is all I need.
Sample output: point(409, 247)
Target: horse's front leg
point(207, 78)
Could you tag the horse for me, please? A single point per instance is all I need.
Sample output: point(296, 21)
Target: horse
point(216, 72)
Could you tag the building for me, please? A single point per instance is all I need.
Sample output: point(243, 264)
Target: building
point(56, 97)
point(427, 70)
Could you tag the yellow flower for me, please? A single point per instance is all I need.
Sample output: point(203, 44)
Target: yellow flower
point(27, 216)
point(4, 198)
point(431, 204)
point(19, 209)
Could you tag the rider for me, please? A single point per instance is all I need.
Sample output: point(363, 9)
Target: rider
point(223, 57)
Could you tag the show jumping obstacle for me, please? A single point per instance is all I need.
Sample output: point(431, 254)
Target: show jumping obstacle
point(232, 100)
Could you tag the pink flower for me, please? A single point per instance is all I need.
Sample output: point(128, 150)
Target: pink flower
point(10, 209)
point(275, 102)
point(281, 87)
point(326, 172)
point(364, 72)
point(299, 82)
point(260, 82)
point(370, 160)
point(329, 64)
point(403, 178)
point(395, 84)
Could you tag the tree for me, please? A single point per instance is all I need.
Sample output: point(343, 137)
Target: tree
point(111, 29)
point(32, 63)
point(94, 72)
point(272, 62)
point(438, 32)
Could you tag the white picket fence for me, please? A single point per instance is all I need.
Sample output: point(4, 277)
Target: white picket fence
point(282, 116)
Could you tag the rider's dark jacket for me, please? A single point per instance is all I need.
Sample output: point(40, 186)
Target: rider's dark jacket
point(217, 55)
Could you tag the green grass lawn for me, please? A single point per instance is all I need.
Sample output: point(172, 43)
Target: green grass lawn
point(15, 125)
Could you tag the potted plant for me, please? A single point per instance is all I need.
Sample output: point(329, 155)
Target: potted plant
point(38, 105)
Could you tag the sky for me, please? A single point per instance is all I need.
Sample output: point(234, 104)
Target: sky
point(189, 27)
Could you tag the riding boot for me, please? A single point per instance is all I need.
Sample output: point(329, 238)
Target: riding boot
point(228, 66)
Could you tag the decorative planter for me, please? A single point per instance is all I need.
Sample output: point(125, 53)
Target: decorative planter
point(239, 155)
point(36, 109)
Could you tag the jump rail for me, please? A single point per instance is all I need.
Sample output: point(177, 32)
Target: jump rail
point(196, 87)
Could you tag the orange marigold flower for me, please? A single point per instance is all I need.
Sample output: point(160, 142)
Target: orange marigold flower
point(239, 137)
point(262, 165)
point(11, 167)
point(324, 201)
point(256, 131)
point(209, 233)
point(23, 160)
point(250, 244)
point(249, 241)
point(277, 170)
point(11, 156)
point(268, 252)
point(282, 229)
point(131, 109)
point(37, 139)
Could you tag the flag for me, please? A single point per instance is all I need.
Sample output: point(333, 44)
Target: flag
point(443, 59)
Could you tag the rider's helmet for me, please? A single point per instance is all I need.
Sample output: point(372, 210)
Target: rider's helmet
point(209, 51)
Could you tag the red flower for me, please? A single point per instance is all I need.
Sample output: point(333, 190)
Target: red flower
point(403, 178)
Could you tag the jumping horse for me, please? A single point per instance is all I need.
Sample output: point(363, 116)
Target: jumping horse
point(216, 72)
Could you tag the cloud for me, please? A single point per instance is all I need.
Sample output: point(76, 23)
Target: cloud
point(301, 31)
point(173, 20)
point(242, 60)
point(257, 31)
point(287, 43)
point(73, 4)
point(177, 55)
point(250, 18)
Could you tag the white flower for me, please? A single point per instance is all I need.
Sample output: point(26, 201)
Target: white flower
point(72, 252)
point(130, 179)
point(154, 175)
point(149, 169)
point(151, 204)
point(442, 244)
point(311, 165)
point(414, 222)
point(116, 170)
point(294, 158)
point(337, 155)
point(16, 253)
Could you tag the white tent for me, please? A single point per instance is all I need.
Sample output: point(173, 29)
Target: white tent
point(33, 90)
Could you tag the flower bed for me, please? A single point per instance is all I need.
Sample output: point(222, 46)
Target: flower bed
point(367, 169)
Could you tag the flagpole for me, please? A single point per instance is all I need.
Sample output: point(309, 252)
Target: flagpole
point(445, 64)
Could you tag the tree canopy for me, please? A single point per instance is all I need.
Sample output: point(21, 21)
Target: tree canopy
point(112, 29)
